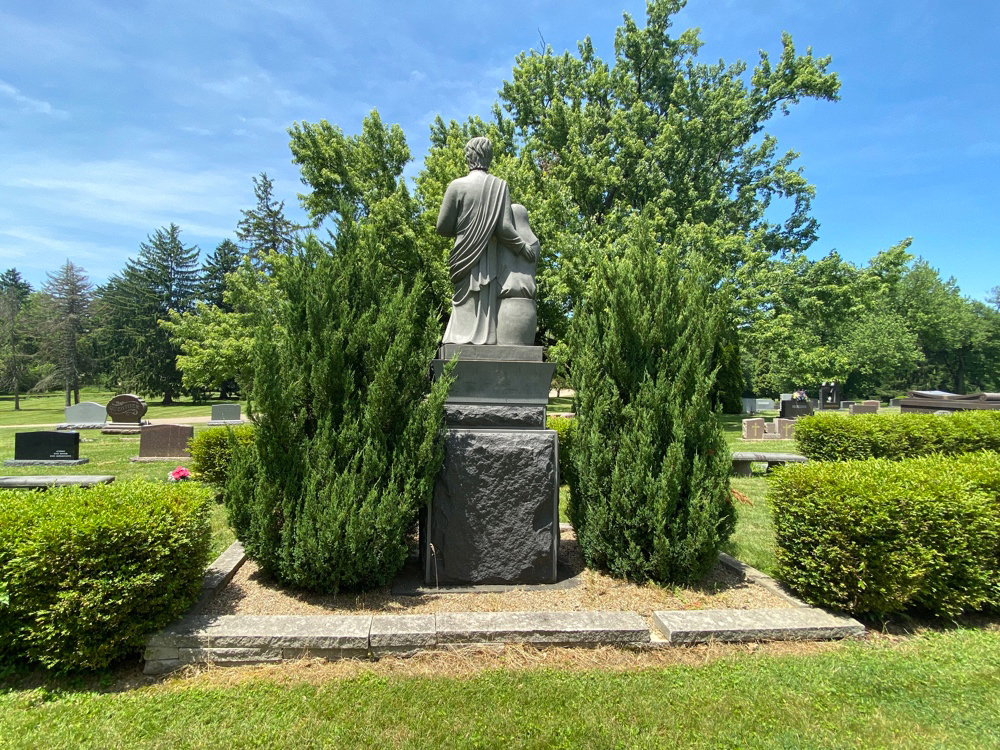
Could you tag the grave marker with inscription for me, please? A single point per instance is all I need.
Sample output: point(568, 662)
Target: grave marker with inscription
point(165, 441)
point(46, 448)
point(125, 412)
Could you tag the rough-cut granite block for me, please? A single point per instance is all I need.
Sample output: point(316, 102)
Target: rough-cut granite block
point(220, 572)
point(161, 666)
point(542, 627)
point(494, 415)
point(161, 654)
point(796, 624)
point(402, 633)
point(264, 631)
point(494, 515)
point(229, 656)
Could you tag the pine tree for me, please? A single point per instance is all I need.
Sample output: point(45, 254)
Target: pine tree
point(264, 229)
point(15, 295)
point(650, 481)
point(162, 279)
point(224, 260)
point(65, 321)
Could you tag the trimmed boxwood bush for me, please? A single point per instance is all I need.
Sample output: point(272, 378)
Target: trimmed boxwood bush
point(212, 449)
point(87, 574)
point(565, 427)
point(882, 536)
point(837, 437)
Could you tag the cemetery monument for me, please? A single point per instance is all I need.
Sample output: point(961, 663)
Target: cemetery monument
point(494, 513)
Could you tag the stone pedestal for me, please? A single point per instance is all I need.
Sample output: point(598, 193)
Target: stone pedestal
point(494, 516)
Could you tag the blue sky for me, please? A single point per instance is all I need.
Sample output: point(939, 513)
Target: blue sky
point(117, 118)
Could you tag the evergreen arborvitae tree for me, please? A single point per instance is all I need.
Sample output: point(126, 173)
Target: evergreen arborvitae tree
point(66, 311)
point(650, 482)
point(224, 260)
point(348, 424)
point(164, 278)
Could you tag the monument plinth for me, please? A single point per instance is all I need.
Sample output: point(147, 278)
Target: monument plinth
point(494, 515)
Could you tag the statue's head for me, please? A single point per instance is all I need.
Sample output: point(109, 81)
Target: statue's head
point(479, 153)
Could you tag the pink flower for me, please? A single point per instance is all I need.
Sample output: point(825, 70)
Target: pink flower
point(178, 474)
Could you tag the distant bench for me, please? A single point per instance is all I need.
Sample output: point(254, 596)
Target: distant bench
point(743, 459)
point(42, 482)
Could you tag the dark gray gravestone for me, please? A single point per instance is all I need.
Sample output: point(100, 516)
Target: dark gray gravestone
point(865, 408)
point(46, 448)
point(793, 409)
point(165, 441)
point(126, 408)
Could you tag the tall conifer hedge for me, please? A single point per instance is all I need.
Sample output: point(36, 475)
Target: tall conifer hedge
point(650, 481)
point(348, 433)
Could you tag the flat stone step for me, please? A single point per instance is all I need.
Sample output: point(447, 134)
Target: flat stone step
point(569, 628)
point(44, 481)
point(795, 624)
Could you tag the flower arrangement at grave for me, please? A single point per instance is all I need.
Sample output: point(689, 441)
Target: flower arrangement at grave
point(179, 474)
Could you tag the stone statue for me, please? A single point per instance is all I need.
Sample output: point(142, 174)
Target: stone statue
point(517, 318)
point(477, 212)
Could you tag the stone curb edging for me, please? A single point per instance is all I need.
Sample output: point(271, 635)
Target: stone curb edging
point(238, 640)
point(752, 575)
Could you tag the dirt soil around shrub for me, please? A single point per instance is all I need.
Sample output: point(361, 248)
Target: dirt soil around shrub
point(251, 592)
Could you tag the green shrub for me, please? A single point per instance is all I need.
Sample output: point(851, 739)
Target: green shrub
point(87, 574)
point(349, 434)
point(649, 486)
point(838, 437)
point(211, 451)
point(881, 536)
point(565, 427)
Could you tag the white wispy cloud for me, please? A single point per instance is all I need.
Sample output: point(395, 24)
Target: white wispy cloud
point(27, 103)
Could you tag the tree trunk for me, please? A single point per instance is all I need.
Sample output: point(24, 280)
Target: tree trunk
point(68, 395)
point(17, 396)
point(168, 398)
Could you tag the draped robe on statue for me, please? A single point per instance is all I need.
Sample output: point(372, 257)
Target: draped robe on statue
point(476, 212)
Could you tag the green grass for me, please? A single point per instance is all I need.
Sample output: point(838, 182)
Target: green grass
point(560, 405)
point(753, 540)
point(47, 408)
point(940, 689)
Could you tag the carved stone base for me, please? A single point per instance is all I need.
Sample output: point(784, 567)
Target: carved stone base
point(494, 517)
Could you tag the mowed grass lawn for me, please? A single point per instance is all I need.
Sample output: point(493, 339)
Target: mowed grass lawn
point(938, 689)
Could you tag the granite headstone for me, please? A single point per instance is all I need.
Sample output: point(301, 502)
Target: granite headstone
point(46, 448)
point(87, 415)
point(165, 441)
point(753, 429)
point(225, 414)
